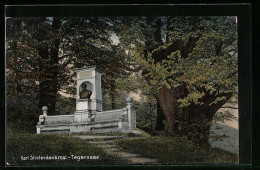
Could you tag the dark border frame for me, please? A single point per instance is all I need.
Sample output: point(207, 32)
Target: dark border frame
point(242, 11)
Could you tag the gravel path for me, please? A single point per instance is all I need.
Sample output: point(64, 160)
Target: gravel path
point(110, 148)
point(106, 142)
point(230, 128)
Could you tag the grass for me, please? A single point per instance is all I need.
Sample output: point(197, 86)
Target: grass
point(143, 133)
point(119, 134)
point(170, 150)
point(167, 150)
point(28, 145)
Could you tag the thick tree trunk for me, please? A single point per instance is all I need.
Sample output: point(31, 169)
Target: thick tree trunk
point(113, 103)
point(192, 121)
point(160, 117)
point(167, 99)
point(112, 94)
point(48, 82)
point(49, 70)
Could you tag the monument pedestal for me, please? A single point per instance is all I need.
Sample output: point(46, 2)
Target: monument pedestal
point(82, 113)
point(83, 104)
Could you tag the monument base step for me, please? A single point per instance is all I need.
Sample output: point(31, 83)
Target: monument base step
point(111, 126)
point(104, 126)
point(55, 132)
point(110, 130)
point(97, 138)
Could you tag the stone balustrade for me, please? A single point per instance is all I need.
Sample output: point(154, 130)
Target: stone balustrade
point(110, 115)
point(105, 121)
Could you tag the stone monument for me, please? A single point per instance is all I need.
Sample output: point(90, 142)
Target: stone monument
point(89, 116)
point(89, 96)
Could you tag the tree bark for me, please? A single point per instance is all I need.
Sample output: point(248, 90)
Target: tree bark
point(160, 117)
point(48, 67)
point(112, 94)
point(192, 121)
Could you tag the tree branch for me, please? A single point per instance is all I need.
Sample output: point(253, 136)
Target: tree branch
point(229, 107)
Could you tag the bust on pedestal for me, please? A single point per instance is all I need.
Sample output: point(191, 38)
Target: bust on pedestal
point(82, 113)
point(85, 94)
point(83, 103)
point(89, 97)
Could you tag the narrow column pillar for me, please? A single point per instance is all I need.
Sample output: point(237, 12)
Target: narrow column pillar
point(131, 114)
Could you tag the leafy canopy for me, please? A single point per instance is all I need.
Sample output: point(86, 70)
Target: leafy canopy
point(198, 52)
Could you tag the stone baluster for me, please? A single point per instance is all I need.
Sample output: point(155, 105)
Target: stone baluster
point(44, 110)
point(131, 112)
point(42, 118)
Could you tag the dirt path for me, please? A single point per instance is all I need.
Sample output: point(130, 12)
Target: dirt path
point(107, 143)
point(231, 129)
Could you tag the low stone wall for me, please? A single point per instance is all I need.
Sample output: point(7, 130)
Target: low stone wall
point(61, 119)
point(101, 126)
point(110, 115)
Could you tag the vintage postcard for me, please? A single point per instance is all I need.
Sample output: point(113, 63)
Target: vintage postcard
point(144, 88)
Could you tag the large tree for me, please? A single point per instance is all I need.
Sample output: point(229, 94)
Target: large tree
point(37, 47)
point(191, 63)
point(43, 52)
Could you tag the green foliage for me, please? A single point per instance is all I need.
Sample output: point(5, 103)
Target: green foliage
point(21, 126)
point(107, 103)
point(146, 115)
point(22, 113)
point(41, 53)
point(188, 128)
point(146, 107)
point(65, 105)
point(224, 116)
point(167, 131)
point(210, 65)
point(194, 57)
point(118, 100)
point(173, 150)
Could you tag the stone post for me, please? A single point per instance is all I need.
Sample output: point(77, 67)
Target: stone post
point(44, 110)
point(131, 113)
point(42, 119)
point(120, 126)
